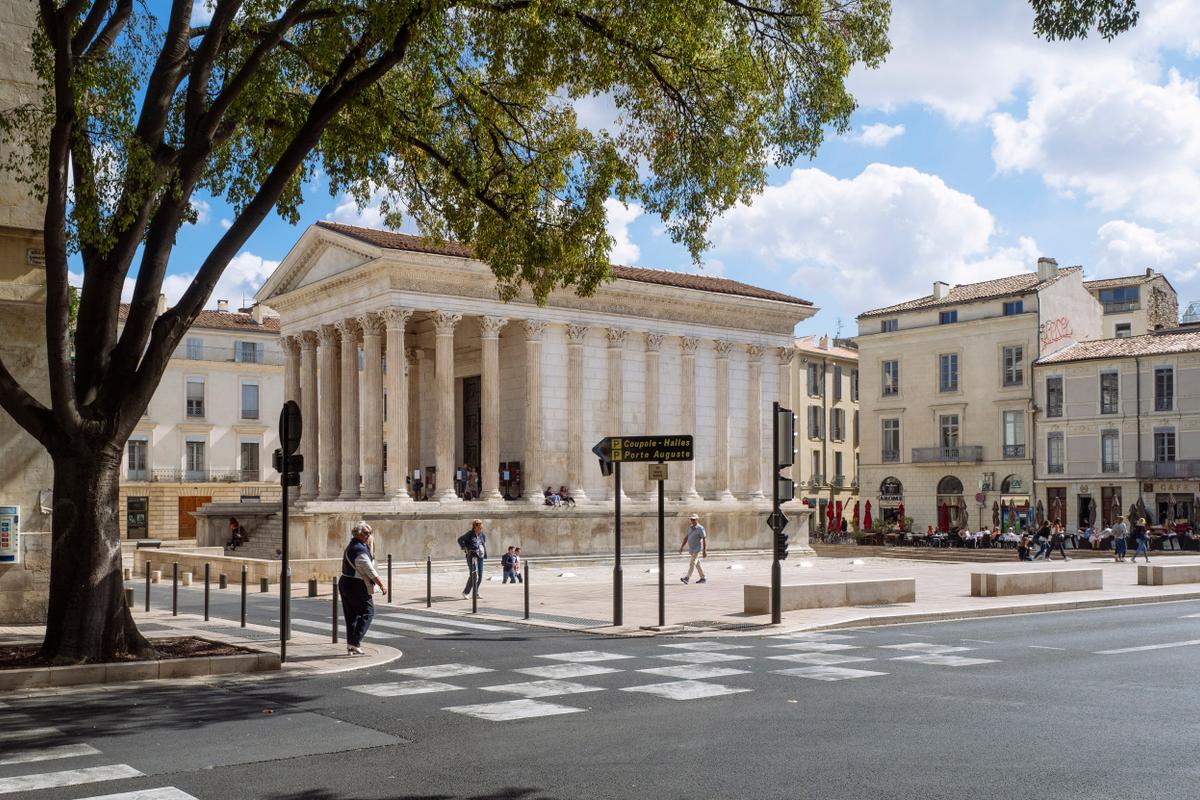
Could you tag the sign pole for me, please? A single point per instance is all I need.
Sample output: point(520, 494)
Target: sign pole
point(662, 544)
point(776, 566)
point(284, 585)
point(618, 616)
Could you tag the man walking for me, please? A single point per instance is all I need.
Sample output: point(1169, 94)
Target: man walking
point(357, 583)
point(1120, 531)
point(1141, 538)
point(696, 541)
point(474, 547)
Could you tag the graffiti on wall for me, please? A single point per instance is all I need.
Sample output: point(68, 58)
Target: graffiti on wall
point(1055, 331)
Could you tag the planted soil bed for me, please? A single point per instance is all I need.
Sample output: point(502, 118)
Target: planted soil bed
point(26, 656)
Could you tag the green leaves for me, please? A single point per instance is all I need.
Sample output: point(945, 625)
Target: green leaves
point(1073, 19)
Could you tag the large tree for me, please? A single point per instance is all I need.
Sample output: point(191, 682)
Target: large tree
point(463, 109)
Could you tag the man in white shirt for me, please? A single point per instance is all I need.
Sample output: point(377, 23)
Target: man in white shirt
point(696, 541)
point(357, 583)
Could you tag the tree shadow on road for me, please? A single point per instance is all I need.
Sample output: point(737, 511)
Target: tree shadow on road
point(506, 793)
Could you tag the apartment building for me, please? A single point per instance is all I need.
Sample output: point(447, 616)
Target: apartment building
point(947, 392)
point(1136, 304)
point(826, 385)
point(210, 428)
point(1120, 425)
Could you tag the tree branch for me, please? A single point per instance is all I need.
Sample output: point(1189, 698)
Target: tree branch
point(31, 415)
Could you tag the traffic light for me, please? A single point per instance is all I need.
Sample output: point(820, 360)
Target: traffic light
point(295, 465)
point(785, 452)
point(781, 545)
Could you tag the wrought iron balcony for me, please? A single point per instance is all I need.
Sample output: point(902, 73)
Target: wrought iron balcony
point(1014, 451)
point(838, 481)
point(1108, 466)
point(229, 355)
point(1054, 469)
point(1122, 306)
point(137, 474)
point(1169, 469)
point(204, 476)
point(816, 480)
point(970, 453)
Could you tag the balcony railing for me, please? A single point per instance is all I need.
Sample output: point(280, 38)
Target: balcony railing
point(971, 453)
point(1054, 469)
point(1163, 403)
point(203, 476)
point(889, 456)
point(816, 480)
point(137, 474)
point(1124, 305)
point(1169, 469)
point(228, 354)
point(838, 481)
point(1108, 466)
point(1014, 451)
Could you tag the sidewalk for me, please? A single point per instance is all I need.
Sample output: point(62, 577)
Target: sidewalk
point(307, 653)
point(580, 598)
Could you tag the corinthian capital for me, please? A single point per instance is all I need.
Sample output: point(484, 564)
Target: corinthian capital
point(576, 333)
point(308, 340)
point(534, 328)
point(444, 322)
point(490, 326)
point(372, 324)
point(654, 341)
point(689, 345)
point(328, 335)
point(396, 319)
point(755, 352)
point(348, 329)
point(616, 336)
point(291, 344)
point(723, 346)
point(786, 354)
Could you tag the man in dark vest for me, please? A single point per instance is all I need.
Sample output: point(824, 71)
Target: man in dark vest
point(358, 582)
point(474, 546)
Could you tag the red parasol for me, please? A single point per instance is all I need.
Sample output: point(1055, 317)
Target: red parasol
point(837, 517)
point(867, 516)
point(854, 518)
point(943, 517)
point(900, 514)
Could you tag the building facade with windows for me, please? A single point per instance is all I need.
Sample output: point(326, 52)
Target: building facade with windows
point(826, 386)
point(1120, 424)
point(210, 428)
point(1136, 304)
point(947, 395)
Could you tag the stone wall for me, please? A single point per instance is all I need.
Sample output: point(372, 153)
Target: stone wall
point(24, 587)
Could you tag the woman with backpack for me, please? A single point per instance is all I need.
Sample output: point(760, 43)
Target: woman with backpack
point(1142, 539)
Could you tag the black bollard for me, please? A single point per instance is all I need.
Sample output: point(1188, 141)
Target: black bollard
point(206, 576)
point(428, 582)
point(243, 595)
point(475, 596)
point(335, 599)
point(175, 589)
point(525, 585)
point(389, 577)
point(222, 581)
point(264, 585)
point(148, 566)
point(312, 587)
point(129, 598)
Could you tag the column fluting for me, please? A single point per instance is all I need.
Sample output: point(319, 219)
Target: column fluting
point(348, 329)
point(576, 334)
point(372, 405)
point(444, 325)
point(330, 403)
point(395, 321)
point(489, 461)
point(721, 475)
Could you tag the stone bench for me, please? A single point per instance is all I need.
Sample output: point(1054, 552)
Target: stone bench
point(757, 597)
point(1164, 574)
point(1042, 581)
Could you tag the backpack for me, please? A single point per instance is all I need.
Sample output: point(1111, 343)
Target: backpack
point(467, 541)
point(506, 560)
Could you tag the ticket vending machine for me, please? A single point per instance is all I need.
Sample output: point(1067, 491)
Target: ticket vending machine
point(10, 534)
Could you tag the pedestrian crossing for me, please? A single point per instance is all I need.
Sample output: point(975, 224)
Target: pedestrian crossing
point(36, 757)
point(389, 624)
point(678, 671)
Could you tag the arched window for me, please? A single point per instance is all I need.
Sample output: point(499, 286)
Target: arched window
point(1012, 485)
point(891, 487)
point(949, 485)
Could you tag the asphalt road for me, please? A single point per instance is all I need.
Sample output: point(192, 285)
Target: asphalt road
point(1083, 704)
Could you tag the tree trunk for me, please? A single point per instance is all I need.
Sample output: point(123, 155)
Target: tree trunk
point(88, 620)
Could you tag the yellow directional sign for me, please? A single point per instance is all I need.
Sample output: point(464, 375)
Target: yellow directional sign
point(644, 448)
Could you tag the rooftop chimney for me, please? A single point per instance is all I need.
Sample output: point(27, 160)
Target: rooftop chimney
point(162, 305)
point(823, 344)
point(1149, 272)
point(256, 313)
point(1047, 268)
point(223, 306)
point(941, 290)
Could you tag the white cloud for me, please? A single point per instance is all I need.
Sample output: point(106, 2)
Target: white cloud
point(883, 235)
point(203, 211)
point(877, 134)
point(1124, 143)
point(202, 12)
point(244, 275)
point(1127, 248)
point(225, 224)
point(620, 217)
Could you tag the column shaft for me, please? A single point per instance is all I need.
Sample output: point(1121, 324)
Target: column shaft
point(310, 440)
point(416, 369)
point(349, 430)
point(687, 412)
point(532, 465)
point(489, 461)
point(754, 411)
point(653, 345)
point(291, 382)
point(330, 404)
point(786, 355)
point(444, 358)
point(372, 405)
point(575, 338)
point(616, 385)
point(397, 403)
point(722, 419)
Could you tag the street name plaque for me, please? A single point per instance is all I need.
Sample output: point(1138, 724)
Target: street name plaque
point(625, 449)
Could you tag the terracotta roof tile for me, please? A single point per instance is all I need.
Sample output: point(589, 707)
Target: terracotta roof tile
point(660, 277)
point(811, 344)
point(1149, 344)
point(1132, 280)
point(222, 320)
point(996, 288)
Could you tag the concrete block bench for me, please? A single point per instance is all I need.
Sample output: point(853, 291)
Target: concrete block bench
point(1164, 574)
point(757, 597)
point(1042, 581)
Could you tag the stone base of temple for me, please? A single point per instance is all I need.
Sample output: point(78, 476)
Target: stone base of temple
point(413, 531)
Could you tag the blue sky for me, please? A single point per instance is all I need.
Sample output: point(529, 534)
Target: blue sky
point(976, 148)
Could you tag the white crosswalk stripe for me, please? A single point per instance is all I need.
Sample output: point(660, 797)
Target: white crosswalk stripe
point(701, 647)
point(585, 656)
point(819, 659)
point(567, 670)
point(67, 777)
point(164, 793)
point(513, 709)
point(403, 688)
point(947, 660)
point(828, 673)
point(926, 647)
point(442, 620)
point(49, 753)
point(547, 688)
point(696, 672)
point(441, 671)
point(686, 690)
point(326, 627)
point(702, 658)
point(816, 647)
point(28, 735)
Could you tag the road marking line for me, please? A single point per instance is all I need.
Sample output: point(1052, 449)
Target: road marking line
point(31, 733)
point(47, 753)
point(408, 626)
point(1190, 616)
point(1045, 647)
point(584, 656)
point(820, 659)
point(441, 671)
point(926, 647)
point(947, 661)
point(14, 719)
point(326, 627)
point(686, 690)
point(704, 647)
point(828, 673)
point(1145, 647)
point(69, 777)
point(507, 710)
point(566, 670)
point(402, 688)
point(698, 657)
point(979, 641)
point(694, 672)
point(546, 688)
point(475, 626)
point(165, 793)
point(816, 647)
